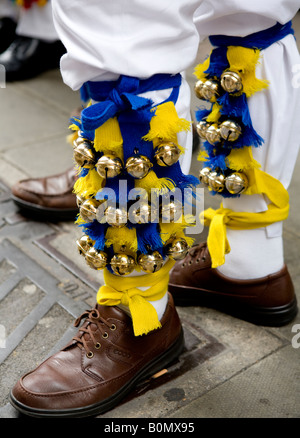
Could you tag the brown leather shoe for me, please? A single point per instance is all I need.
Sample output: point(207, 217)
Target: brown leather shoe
point(266, 301)
point(99, 367)
point(51, 198)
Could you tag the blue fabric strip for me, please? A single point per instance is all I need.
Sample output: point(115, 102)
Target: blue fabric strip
point(258, 40)
point(115, 97)
point(99, 91)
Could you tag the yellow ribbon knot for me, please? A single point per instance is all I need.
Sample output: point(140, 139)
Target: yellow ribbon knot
point(217, 220)
point(125, 290)
point(217, 242)
point(260, 182)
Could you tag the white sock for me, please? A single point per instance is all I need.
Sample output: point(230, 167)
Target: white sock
point(253, 254)
point(159, 305)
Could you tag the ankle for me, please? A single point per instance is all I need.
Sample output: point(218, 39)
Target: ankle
point(253, 254)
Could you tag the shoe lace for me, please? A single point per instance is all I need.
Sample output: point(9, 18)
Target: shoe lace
point(91, 317)
point(200, 251)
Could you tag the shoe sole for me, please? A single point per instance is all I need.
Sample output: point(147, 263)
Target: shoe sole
point(48, 214)
point(105, 405)
point(267, 316)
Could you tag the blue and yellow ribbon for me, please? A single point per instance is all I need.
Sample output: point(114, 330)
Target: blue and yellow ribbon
point(126, 291)
point(239, 55)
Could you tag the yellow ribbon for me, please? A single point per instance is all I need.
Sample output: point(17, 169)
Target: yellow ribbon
point(243, 61)
point(124, 290)
point(217, 220)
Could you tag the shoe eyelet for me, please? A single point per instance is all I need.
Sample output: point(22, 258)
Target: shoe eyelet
point(203, 259)
point(89, 355)
point(198, 261)
point(190, 262)
point(105, 335)
point(113, 327)
point(183, 265)
point(98, 346)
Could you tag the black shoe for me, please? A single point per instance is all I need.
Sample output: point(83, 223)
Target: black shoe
point(7, 33)
point(27, 57)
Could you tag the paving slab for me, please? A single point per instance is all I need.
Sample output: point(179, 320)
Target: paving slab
point(225, 347)
point(261, 391)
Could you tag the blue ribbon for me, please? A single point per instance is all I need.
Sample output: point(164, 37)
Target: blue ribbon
point(258, 40)
point(115, 97)
point(122, 98)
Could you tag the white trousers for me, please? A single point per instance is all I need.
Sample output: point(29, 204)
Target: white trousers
point(106, 39)
point(36, 22)
point(275, 115)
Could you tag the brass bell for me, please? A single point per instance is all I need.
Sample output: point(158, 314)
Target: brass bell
point(213, 134)
point(81, 139)
point(177, 249)
point(236, 183)
point(138, 166)
point(88, 210)
point(231, 82)
point(84, 156)
point(84, 244)
point(201, 128)
point(78, 141)
point(80, 200)
point(109, 166)
point(204, 174)
point(171, 212)
point(230, 130)
point(96, 259)
point(143, 213)
point(167, 154)
point(151, 263)
point(198, 89)
point(116, 217)
point(216, 181)
point(210, 90)
point(122, 264)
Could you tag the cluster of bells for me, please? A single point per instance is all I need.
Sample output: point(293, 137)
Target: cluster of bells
point(210, 89)
point(138, 166)
point(91, 209)
point(228, 130)
point(110, 166)
point(123, 264)
point(235, 183)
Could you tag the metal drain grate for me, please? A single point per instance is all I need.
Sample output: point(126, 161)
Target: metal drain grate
point(26, 268)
